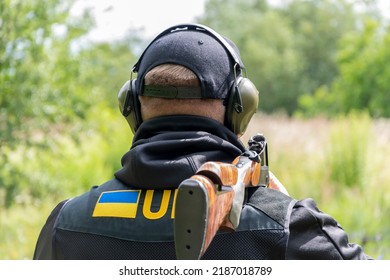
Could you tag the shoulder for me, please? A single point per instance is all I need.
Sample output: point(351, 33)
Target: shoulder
point(316, 235)
point(44, 246)
point(266, 208)
point(275, 204)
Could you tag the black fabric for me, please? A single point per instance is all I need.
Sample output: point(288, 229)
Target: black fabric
point(226, 246)
point(273, 203)
point(314, 232)
point(198, 51)
point(87, 246)
point(247, 245)
point(167, 150)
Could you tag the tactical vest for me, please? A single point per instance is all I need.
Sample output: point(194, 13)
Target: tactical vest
point(114, 221)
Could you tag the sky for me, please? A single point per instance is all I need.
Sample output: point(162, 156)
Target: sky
point(115, 17)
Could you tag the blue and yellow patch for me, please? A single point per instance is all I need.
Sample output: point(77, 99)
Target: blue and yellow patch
point(121, 204)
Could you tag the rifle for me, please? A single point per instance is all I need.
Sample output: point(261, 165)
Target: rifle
point(212, 199)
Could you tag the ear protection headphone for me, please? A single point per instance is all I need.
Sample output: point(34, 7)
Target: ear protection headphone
point(241, 102)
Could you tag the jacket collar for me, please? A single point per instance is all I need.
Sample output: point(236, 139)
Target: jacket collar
point(168, 150)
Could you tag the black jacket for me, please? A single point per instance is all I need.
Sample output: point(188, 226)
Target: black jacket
point(131, 216)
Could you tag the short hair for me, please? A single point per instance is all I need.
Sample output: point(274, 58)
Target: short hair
point(171, 75)
point(177, 75)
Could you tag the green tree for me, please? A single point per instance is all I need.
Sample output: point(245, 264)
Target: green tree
point(318, 27)
point(266, 45)
point(50, 77)
point(364, 81)
point(37, 72)
point(290, 49)
point(37, 66)
point(104, 67)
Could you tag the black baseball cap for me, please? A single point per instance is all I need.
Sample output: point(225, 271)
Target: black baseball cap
point(213, 58)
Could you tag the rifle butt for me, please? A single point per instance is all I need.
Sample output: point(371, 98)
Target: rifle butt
point(201, 209)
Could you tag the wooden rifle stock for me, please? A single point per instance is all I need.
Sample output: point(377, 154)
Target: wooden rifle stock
point(212, 198)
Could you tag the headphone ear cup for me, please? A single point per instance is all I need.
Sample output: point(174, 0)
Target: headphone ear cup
point(129, 105)
point(242, 105)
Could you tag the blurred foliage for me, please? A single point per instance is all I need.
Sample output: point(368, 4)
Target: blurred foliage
point(347, 152)
point(38, 68)
point(61, 131)
point(49, 79)
point(37, 93)
point(364, 80)
point(288, 50)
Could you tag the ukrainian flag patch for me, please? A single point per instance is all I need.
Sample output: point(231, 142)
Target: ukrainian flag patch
point(119, 204)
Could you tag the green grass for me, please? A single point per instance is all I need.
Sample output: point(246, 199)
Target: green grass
point(20, 226)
